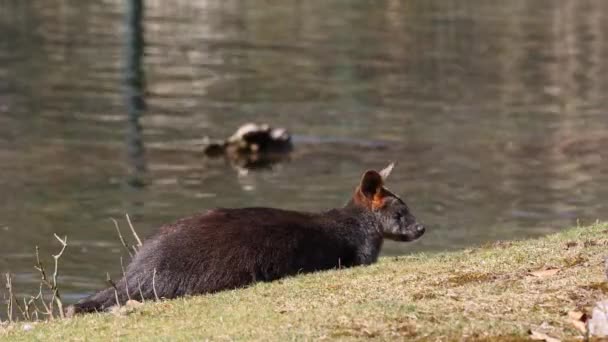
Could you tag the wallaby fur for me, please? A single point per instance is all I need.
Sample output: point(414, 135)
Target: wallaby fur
point(229, 248)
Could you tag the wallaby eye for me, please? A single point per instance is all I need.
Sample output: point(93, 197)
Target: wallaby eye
point(397, 216)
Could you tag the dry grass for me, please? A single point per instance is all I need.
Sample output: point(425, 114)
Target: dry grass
point(493, 292)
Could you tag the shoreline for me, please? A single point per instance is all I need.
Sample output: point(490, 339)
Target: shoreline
point(497, 291)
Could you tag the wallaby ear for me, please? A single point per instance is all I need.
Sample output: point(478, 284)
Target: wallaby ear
point(387, 171)
point(371, 184)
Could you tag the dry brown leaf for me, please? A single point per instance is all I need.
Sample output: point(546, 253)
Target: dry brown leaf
point(580, 326)
point(539, 336)
point(577, 316)
point(544, 273)
point(578, 319)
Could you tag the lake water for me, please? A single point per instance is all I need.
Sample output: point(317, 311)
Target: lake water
point(494, 111)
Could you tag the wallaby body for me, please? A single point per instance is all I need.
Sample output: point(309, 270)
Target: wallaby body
point(230, 248)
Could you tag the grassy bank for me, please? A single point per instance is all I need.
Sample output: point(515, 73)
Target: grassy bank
point(503, 289)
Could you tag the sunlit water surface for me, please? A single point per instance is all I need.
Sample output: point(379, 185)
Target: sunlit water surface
point(494, 111)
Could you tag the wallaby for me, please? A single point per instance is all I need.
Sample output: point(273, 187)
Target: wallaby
point(229, 248)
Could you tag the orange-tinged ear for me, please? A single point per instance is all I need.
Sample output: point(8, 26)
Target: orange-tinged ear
point(378, 200)
point(371, 183)
point(370, 192)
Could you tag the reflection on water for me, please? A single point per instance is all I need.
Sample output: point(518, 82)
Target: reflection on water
point(495, 113)
point(134, 82)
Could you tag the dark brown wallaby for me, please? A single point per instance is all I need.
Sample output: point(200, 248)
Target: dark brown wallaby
point(230, 248)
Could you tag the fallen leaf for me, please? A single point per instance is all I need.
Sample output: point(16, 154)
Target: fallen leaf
point(580, 326)
point(598, 323)
point(578, 319)
point(577, 316)
point(544, 273)
point(539, 336)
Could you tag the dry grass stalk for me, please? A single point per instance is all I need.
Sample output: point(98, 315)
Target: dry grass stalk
point(13, 302)
point(9, 302)
point(154, 285)
point(141, 294)
point(139, 244)
point(34, 306)
point(122, 240)
point(113, 285)
point(124, 276)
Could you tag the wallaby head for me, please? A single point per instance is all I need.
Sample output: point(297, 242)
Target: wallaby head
point(396, 220)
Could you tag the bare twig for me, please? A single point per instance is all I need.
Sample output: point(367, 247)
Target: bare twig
point(33, 302)
point(113, 284)
point(9, 303)
point(19, 307)
point(51, 284)
point(126, 281)
point(26, 310)
point(141, 294)
point(39, 266)
point(154, 284)
point(28, 305)
point(13, 298)
point(43, 281)
point(139, 244)
point(56, 295)
point(40, 297)
point(122, 240)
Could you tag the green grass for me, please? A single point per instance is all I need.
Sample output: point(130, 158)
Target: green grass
point(486, 292)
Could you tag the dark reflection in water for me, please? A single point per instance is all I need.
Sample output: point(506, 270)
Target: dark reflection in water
point(135, 90)
point(495, 113)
